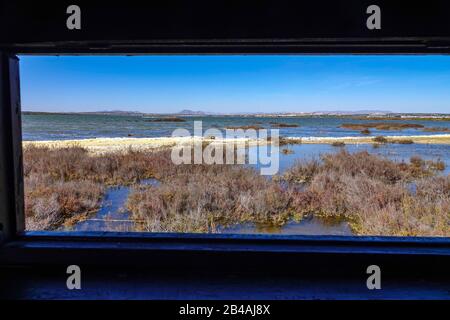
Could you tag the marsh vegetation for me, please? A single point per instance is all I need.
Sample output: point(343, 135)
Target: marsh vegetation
point(284, 125)
point(375, 195)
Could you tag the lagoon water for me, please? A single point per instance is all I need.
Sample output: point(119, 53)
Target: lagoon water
point(83, 126)
point(112, 215)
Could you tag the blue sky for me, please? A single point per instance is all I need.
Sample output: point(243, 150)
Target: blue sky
point(165, 84)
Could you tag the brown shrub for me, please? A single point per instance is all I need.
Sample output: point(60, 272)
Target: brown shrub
point(376, 208)
point(438, 165)
point(365, 165)
point(66, 184)
point(287, 151)
point(338, 144)
point(50, 204)
point(419, 168)
point(76, 163)
point(345, 195)
point(426, 213)
point(362, 164)
point(282, 141)
point(199, 198)
point(302, 172)
point(402, 141)
point(284, 125)
point(374, 195)
point(380, 139)
point(436, 129)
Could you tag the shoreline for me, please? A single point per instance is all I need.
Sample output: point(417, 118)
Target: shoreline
point(114, 144)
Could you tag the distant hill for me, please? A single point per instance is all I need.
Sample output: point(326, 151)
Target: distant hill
point(192, 112)
point(113, 112)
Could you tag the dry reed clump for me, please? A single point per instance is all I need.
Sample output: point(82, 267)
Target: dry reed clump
point(402, 141)
point(199, 198)
point(66, 184)
point(380, 139)
point(375, 195)
point(419, 168)
point(366, 165)
point(425, 213)
point(287, 151)
point(436, 129)
point(302, 172)
point(282, 141)
point(284, 125)
point(76, 163)
point(338, 144)
point(49, 204)
point(363, 164)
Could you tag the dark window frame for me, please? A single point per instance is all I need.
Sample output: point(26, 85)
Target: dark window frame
point(33, 247)
point(165, 250)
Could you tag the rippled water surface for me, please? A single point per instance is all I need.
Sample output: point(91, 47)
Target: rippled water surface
point(82, 126)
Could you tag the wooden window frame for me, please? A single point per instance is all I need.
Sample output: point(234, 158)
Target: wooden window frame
point(180, 250)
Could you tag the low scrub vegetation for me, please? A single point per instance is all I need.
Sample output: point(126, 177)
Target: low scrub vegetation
point(402, 141)
point(375, 195)
point(284, 125)
point(76, 163)
point(380, 139)
point(287, 151)
point(282, 141)
point(64, 185)
point(49, 204)
point(436, 129)
point(200, 198)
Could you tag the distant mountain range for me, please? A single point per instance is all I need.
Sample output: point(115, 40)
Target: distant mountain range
point(191, 112)
point(113, 112)
point(188, 112)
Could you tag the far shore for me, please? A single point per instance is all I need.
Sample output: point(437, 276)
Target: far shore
point(118, 144)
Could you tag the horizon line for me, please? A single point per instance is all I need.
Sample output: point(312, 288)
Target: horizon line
point(205, 113)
